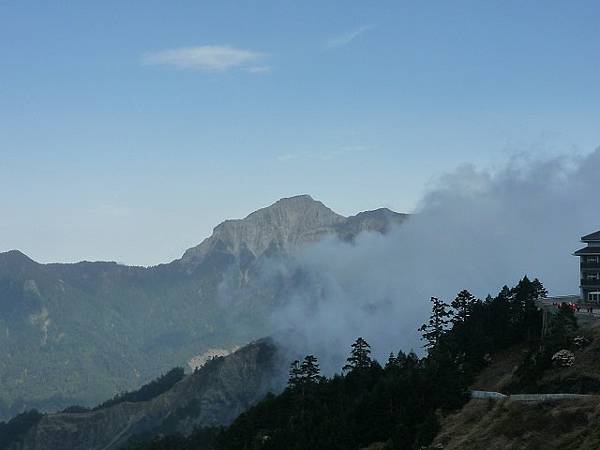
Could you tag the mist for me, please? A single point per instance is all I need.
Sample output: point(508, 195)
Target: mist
point(475, 229)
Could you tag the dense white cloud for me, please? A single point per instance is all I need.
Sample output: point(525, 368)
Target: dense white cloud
point(209, 58)
point(476, 229)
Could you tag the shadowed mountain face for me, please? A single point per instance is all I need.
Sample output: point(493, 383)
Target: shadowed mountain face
point(79, 333)
point(212, 396)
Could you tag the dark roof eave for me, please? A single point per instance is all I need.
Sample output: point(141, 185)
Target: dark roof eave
point(592, 237)
point(587, 251)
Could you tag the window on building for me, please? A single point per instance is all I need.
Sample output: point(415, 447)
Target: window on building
point(594, 297)
point(592, 276)
point(592, 259)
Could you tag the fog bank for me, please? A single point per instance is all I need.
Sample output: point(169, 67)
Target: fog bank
point(476, 229)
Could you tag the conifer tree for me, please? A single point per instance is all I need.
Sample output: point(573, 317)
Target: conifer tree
point(527, 314)
point(295, 378)
point(359, 356)
point(309, 370)
point(392, 361)
point(437, 324)
point(463, 306)
point(305, 372)
point(539, 291)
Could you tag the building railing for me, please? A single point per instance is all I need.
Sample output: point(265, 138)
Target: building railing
point(587, 265)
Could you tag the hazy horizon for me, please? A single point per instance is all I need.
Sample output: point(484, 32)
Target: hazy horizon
point(127, 132)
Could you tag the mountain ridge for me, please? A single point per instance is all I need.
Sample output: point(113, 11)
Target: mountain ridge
point(298, 205)
point(82, 332)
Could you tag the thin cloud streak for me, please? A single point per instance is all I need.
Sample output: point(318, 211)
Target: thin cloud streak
point(206, 58)
point(346, 38)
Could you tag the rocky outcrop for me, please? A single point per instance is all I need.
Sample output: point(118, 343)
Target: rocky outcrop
point(563, 358)
point(198, 361)
point(213, 395)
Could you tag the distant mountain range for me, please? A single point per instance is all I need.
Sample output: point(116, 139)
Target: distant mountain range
point(79, 333)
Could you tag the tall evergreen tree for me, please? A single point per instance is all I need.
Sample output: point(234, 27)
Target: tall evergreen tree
point(295, 374)
point(539, 290)
point(528, 317)
point(392, 361)
point(309, 370)
point(463, 306)
point(437, 324)
point(359, 356)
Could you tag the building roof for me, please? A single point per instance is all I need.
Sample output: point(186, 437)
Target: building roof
point(591, 237)
point(587, 251)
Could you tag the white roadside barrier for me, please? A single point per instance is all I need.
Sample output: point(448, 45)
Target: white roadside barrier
point(527, 397)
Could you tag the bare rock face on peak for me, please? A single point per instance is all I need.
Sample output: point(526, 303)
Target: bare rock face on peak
point(288, 223)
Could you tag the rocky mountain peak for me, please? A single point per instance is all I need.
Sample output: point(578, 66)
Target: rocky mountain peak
point(285, 224)
point(380, 220)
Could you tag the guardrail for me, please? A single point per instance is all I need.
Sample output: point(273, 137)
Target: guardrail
point(526, 397)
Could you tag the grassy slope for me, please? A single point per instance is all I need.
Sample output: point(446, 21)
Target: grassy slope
point(573, 424)
point(490, 425)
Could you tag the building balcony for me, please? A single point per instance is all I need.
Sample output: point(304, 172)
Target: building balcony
point(589, 265)
point(585, 283)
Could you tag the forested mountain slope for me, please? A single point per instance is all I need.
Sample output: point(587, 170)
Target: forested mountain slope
point(213, 395)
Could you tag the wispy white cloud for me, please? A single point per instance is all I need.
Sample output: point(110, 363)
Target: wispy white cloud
point(346, 38)
point(208, 58)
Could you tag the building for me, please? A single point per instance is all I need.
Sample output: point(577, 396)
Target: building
point(589, 263)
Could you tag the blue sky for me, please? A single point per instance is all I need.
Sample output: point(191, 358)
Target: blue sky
point(129, 129)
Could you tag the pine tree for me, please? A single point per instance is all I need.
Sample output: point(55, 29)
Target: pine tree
point(392, 361)
point(437, 324)
point(527, 314)
point(359, 356)
point(309, 370)
point(295, 378)
point(539, 291)
point(463, 306)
